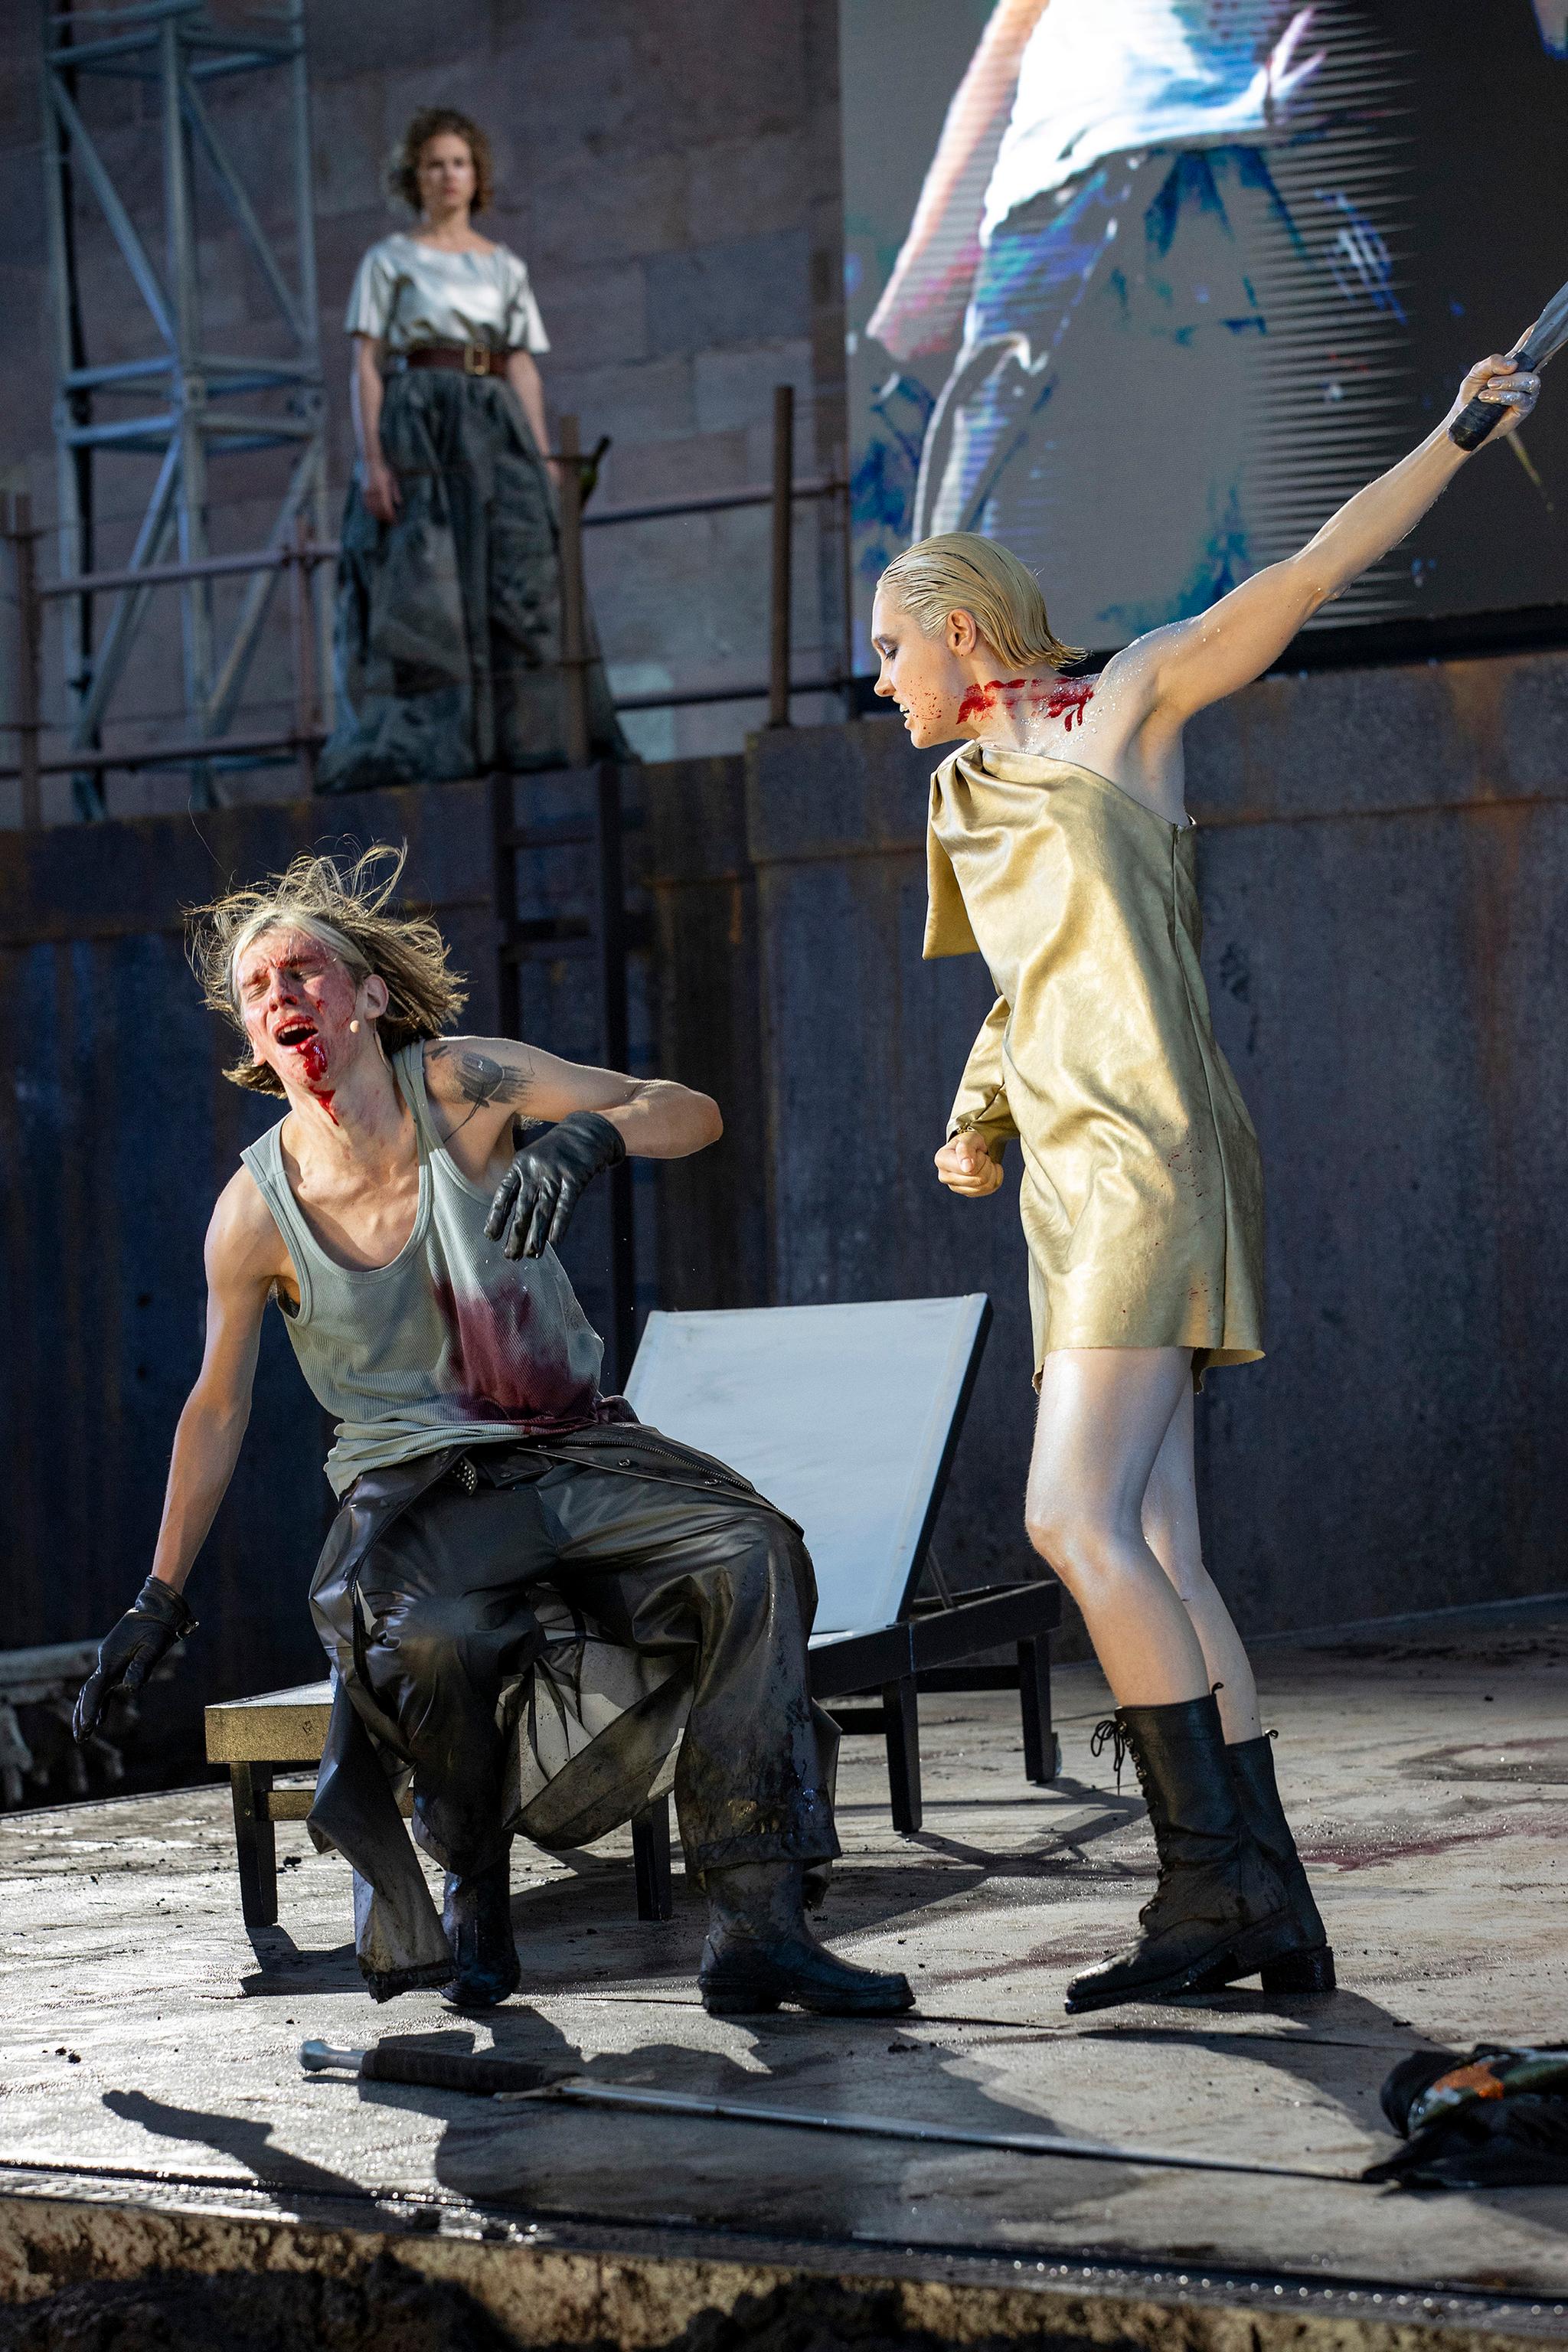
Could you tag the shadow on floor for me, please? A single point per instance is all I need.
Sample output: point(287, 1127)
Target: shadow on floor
point(246, 2142)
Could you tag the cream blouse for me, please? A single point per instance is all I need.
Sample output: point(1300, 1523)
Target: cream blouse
point(408, 293)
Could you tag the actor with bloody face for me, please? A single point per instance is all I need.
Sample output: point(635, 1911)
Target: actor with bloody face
point(409, 1243)
point(1060, 849)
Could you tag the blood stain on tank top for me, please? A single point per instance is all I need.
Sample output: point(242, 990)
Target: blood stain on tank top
point(497, 1372)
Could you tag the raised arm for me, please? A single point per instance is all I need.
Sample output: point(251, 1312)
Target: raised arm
point(1181, 668)
point(480, 1086)
point(242, 1255)
point(923, 300)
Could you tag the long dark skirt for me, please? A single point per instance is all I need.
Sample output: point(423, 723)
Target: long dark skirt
point(448, 620)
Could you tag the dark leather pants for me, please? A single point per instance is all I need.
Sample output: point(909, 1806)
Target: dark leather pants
point(714, 1578)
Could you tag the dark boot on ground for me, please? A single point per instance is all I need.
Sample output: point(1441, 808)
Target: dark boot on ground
point(1219, 1910)
point(477, 1916)
point(760, 1952)
point(1310, 1968)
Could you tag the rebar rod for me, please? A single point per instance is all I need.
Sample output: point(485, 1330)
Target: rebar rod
point(574, 601)
point(28, 646)
point(782, 546)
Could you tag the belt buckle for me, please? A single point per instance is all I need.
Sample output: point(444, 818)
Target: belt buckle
point(466, 1473)
point(475, 358)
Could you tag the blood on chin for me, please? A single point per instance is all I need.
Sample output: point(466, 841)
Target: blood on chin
point(313, 1054)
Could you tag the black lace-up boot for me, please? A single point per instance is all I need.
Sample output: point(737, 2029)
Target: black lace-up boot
point(760, 1952)
point(1219, 1910)
point(477, 1916)
point(1309, 1968)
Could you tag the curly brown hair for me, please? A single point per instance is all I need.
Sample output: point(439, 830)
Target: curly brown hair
point(403, 163)
point(350, 910)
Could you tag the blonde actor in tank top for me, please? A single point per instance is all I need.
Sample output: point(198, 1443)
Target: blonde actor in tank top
point(1060, 849)
point(407, 1235)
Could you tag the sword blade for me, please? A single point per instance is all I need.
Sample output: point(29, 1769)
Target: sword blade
point(1549, 333)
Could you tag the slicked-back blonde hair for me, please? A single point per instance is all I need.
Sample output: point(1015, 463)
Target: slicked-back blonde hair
point(958, 572)
point(350, 911)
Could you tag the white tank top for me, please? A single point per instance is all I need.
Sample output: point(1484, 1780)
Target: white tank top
point(1101, 76)
point(453, 1343)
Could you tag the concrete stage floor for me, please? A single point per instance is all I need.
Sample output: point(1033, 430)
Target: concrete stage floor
point(148, 2052)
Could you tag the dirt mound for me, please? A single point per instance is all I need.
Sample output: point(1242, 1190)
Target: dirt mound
point(390, 2309)
point(385, 2309)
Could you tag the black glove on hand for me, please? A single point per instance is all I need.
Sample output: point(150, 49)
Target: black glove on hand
point(535, 1198)
point(129, 1651)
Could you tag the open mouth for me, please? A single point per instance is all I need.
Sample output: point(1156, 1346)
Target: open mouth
point(295, 1034)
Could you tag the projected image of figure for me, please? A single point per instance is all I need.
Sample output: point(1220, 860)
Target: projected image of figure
point(1095, 214)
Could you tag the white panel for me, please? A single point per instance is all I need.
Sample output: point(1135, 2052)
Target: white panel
point(838, 1414)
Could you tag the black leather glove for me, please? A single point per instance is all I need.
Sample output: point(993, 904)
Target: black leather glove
point(535, 1198)
point(127, 1652)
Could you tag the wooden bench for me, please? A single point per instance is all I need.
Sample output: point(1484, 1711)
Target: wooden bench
point(285, 1731)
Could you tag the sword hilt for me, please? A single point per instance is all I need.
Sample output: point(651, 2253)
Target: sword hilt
point(482, 2071)
point(1479, 417)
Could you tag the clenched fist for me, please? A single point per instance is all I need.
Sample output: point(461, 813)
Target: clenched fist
point(965, 1165)
point(1500, 381)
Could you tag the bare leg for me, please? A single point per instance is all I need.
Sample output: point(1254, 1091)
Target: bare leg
point(1104, 1417)
point(1112, 1468)
point(1171, 1528)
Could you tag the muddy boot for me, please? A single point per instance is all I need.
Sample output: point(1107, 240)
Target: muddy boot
point(477, 1916)
point(1309, 1966)
point(761, 1952)
point(1219, 1910)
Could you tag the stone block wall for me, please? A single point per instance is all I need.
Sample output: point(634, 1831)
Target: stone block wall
point(671, 177)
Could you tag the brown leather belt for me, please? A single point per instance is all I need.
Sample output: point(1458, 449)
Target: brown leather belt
point(461, 359)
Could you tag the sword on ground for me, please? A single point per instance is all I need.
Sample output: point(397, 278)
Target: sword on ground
point(462, 2071)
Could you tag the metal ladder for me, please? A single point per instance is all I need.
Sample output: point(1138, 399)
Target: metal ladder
point(567, 813)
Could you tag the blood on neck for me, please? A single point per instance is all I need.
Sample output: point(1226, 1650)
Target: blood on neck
point(1029, 699)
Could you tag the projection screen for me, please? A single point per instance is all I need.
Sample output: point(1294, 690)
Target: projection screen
point(1146, 287)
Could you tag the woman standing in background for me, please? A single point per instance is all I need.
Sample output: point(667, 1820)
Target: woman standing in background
point(448, 603)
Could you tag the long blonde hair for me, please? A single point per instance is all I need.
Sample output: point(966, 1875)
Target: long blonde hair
point(349, 910)
point(958, 572)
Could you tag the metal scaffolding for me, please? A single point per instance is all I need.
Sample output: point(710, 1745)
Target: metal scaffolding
point(178, 49)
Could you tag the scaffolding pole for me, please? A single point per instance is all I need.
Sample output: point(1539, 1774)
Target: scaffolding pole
point(178, 51)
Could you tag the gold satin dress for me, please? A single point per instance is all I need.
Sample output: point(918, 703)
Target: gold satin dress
point(1143, 1190)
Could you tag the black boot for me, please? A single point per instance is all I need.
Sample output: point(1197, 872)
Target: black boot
point(761, 1952)
point(477, 1916)
point(1219, 1910)
point(1309, 1966)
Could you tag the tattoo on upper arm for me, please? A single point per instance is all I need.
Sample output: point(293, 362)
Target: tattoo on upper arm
point(478, 1080)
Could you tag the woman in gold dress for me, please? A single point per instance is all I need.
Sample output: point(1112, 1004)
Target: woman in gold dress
point(1060, 849)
